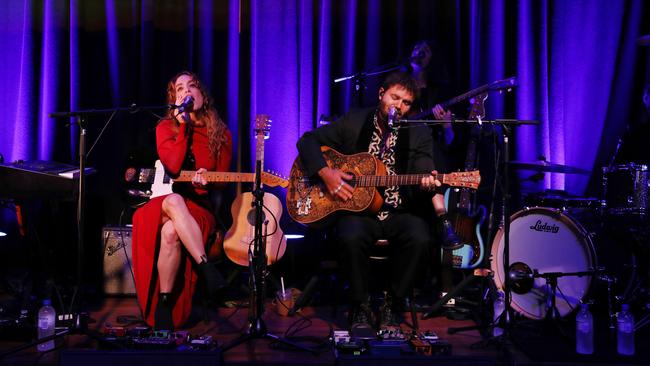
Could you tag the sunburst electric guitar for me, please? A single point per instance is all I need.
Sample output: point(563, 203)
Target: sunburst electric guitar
point(468, 218)
point(239, 238)
point(309, 202)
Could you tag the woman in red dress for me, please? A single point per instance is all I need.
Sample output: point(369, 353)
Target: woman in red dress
point(170, 232)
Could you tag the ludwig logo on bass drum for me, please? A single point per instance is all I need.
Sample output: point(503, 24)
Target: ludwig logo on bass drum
point(545, 227)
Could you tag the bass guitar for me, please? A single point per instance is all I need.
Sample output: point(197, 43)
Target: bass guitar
point(467, 218)
point(239, 239)
point(309, 202)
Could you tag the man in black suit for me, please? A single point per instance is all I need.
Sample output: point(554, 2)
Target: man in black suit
point(403, 217)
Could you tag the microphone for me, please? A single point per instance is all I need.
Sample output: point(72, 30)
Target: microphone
point(392, 116)
point(304, 296)
point(185, 105)
point(519, 274)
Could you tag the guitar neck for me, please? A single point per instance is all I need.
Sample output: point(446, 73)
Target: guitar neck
point(392, 180)
point(217, 177)
point(465, 96)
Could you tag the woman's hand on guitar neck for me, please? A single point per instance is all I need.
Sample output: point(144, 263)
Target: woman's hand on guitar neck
point(334, 181)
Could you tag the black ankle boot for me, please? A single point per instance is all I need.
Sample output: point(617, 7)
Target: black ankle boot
point(163, 316)
point(214, 281)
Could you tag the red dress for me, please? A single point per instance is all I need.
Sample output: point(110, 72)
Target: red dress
point(171, 142)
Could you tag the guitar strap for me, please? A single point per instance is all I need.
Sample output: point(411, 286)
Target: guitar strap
point(189, 163)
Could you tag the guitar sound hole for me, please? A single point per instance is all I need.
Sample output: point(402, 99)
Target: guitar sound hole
point(250, 217)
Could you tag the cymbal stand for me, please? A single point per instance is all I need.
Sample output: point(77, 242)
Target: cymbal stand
point(257, 265)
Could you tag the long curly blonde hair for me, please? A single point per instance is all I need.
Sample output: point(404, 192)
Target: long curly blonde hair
point(216, 128)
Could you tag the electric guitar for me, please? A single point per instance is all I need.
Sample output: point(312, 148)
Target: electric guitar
point(500, 85)
point(239, 239)
point(161, 182)
point(309, 202)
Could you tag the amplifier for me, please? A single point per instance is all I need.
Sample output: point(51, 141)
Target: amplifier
point(118, 279)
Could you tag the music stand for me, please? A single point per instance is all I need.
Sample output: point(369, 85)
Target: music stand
point(257, 266)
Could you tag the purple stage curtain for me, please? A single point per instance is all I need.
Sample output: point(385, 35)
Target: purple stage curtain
point(580, 72)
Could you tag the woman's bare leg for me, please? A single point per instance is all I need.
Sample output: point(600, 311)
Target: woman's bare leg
point(185, 226)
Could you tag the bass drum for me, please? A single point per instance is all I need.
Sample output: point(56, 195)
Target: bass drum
point(546, 240)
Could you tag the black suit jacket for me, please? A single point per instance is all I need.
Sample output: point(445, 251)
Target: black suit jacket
point(352, 134)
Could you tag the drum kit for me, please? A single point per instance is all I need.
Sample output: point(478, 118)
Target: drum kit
point(566, 250)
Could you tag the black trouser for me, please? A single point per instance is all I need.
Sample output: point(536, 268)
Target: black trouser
point(409, 238)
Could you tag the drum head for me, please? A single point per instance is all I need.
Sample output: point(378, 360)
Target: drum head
point(547, 241)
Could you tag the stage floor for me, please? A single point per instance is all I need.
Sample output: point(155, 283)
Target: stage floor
point(312, 328)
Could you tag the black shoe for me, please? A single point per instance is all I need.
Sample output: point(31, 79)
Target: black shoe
point(214, 281)
point(450, 241)
point(360, 320)
point(361, 314)
point(388, 312)
point(163, 317)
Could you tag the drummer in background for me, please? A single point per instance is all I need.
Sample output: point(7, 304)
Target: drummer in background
point(635, 141)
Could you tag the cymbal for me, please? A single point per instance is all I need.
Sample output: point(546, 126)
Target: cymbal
point(643, 40)
point(545, 166)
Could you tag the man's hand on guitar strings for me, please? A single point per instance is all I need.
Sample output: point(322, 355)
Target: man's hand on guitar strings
point(335, 182)
point(429, 183)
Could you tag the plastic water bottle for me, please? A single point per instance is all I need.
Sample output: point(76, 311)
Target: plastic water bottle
point(625, 331)
point(499, 306)
point(584, 331)
point(46, 318)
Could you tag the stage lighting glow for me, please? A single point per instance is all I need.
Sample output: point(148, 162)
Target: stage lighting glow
point(294, 236)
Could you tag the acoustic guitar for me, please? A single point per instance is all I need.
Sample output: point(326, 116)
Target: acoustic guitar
point(239, 238)
point(309, 202)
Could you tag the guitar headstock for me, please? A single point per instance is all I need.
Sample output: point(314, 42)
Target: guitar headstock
point(470, 179)
point(273, 180)
point(263, 125)
point(505, 84)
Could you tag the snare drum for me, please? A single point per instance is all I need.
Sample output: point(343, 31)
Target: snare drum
point(546, 240)
point(625, 189)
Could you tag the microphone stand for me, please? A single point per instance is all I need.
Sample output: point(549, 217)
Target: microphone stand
point(257, 265)
point(82, 116)
point(360, 76)
point(505, 319)
point(79, 321)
